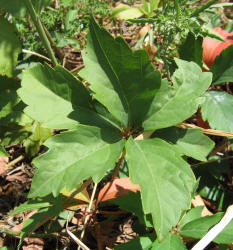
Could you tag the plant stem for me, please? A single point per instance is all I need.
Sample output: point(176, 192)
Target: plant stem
point(201, 9)
point(12, 163)
point(177, 7)
point(40, 30)
point(118, 166)
point(88, 215)
point(114, 175)
point(35, 54)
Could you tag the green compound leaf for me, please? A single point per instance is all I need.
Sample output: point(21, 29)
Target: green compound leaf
point(165, 179)
point(75, 156)
point(171, 242)
point(124, 81)
point(222, 67)
point(198, 228)
point(56, 99)
point(174, 104)
point(190, 142)
point(217, 109)
point(9, 48)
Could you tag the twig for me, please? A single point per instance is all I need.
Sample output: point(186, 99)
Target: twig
point(77, 68)
point(217, 229)
point(114, 174)
point(75, 238)
point(33, 235)
point(206, 131)
point(35, 54)
point(88, 211)
point(12, 163)
point(206, 162)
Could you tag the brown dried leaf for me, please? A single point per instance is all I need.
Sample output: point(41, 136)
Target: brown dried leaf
point(116, 189)
point(3, 164)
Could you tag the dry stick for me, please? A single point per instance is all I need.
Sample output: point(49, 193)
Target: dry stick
point(35, 54)
point(205, 162)
point(12, 163)
point(217, 229)
point(206, 131)
point(75, 238)
point(88, 211)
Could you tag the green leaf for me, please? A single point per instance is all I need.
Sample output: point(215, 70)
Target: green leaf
point(125, 12)
point(174, 104)
point(190, 142)
point(132, 203)
point(14, 7)
point(191, 49)
point(3, 151)
point(124, 81)
point(212, 177)
point(39, 136)
point(199, 227)
point(43, 215)
point(217, 109)
point(171, 242)
point(75, 156)
point(222, 67)
point(140, 243)
point(193, 214)
point(30, 205)
point(9, 48)
point(165, 179)
point(56, 99)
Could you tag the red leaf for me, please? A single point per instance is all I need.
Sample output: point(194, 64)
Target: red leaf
point(116, 189)
point(212, 48)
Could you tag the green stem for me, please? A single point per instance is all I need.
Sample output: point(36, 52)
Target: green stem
point(40, 30)
point(201, 9)
point(177, 6)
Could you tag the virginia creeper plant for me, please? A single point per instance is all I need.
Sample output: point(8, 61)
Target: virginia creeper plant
point(106, 123)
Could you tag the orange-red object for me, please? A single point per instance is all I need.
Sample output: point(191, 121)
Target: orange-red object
point(212, 47)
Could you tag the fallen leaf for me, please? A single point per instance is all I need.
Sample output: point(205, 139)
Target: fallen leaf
point(117, 188)
point(3, 164)
point(212, 47)
point(33, 244)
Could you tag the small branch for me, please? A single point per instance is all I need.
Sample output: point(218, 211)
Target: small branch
point(216, 230)
point(88, 212)
point(35, 54)
point(114, 174)
point(78, 190)
point(40, 30)
point(75, 238)
point(206, 131)
point(18, 159)
point(204, 7)
point(33, 235)
point(118, 166)
point(207, 162)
